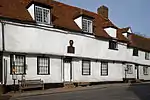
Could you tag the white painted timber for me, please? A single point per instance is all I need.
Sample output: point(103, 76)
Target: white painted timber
point(111, 31)
point(31, 11)
point(78, 21)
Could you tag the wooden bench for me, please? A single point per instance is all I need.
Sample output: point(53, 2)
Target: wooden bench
point(30, 84)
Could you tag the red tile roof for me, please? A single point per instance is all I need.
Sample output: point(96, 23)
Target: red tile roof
point(139, 42)
point(62, 16)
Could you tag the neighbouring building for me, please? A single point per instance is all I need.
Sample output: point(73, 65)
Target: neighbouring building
point(58, 43)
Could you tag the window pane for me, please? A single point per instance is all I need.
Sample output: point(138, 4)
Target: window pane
point(42, 15)
point(104, 68)
point(87, 25)
point(19, 62)
point(43, 65)
point(85, 67)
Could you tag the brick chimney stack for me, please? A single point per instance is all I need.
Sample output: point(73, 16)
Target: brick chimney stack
point(103, 10)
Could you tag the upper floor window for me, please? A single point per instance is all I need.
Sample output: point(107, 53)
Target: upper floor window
point(42, 15)
point(135, 52)
point(147, 56)
point(113, 45)
point(87, 25)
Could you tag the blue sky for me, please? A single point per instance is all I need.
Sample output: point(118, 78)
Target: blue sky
point(123, 13)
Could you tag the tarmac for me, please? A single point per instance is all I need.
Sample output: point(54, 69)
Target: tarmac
point(18, 94)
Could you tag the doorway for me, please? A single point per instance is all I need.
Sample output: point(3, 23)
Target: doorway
point(67, 69)
point(1, 70)
point(136, 71)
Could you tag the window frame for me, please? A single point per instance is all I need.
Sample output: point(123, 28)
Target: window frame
point(135, 53)
point(129, 66)
point(11, 64)
point(38, 66)
point(102, 69)
point(48, 18)
point(145, 70)
point(89, 27)
point(147, 56)
point(89, 69)
point(113, 45)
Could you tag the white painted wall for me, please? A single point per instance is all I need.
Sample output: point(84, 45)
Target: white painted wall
point(142, 76)
point(111, 32)
point(78, 21)
point(33, 40)
point(31, 11)
point(114, 72)
point(46, 41)
point(31, 73)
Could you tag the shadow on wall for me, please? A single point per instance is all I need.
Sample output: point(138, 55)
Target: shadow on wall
point(142, 91)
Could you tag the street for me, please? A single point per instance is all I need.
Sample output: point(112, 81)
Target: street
point(132, 92)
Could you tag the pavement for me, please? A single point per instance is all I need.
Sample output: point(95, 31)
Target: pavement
point(12, 95)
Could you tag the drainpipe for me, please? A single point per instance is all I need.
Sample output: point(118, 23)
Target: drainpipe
point(3, 37)
point(4, 69)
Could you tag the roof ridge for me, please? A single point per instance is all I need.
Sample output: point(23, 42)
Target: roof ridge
point(82, 9)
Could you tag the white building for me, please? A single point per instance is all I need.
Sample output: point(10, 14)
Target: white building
point(57, 43)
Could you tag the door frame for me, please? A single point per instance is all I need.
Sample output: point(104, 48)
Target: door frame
point(1, 68)
point(67, 60)
point(137, 71)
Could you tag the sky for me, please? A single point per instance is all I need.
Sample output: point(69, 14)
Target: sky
point(123, 13)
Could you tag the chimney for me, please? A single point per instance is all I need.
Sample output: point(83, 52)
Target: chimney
point(103, 10)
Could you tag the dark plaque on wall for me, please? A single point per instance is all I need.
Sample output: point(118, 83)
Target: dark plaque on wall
point(71, 49)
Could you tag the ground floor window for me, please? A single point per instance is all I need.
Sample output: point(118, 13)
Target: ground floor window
point(86, 67)
point(104, 68)
point(17, 64)
point(145, 70)
point(43, 66)
point(129, 69)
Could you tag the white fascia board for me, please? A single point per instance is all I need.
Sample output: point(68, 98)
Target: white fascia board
point(78, 21)
point(31, 11)
point(111, 32)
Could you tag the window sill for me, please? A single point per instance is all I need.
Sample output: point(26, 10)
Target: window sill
point(86, 74)
point(129, 73)
point(112, 49)
point(135, 55)
point(44, 25)
point(104, 75)
point(18, 74)
point(43, 74)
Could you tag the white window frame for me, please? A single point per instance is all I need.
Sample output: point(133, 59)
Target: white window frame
point(145, 70)
point(43, 66)
point(147, 55)
point(18, 64)
point(42, 15)
point(88, 27)
point(86, 70)
point(129, 69)
point(104, 68)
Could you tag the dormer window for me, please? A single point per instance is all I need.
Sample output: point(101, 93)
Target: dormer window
point(42, 15)
point(87, 25)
